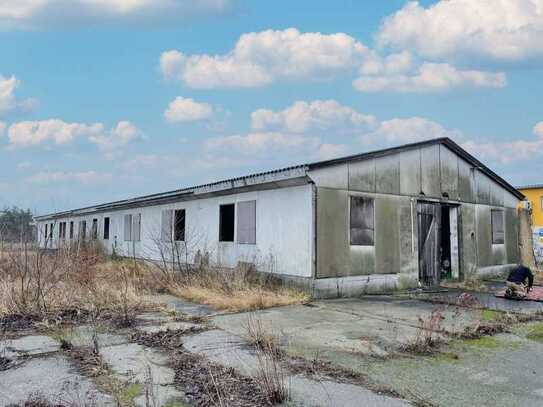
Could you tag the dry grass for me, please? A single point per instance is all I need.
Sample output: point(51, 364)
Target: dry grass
point(38, 282)
point(234, 290)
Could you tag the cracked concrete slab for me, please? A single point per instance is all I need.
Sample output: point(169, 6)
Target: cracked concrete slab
point(184, 306)
point(83, 336)
point(53, 378)
point(172, 326)
point(29, 345)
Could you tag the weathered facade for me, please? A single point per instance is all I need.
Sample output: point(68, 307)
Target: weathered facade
point(391, 219)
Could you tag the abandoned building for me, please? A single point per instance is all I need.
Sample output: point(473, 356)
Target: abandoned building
point(397, 218)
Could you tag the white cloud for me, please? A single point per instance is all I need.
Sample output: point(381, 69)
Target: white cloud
point(508, 151)
point(259, 143)
point(260, 58)
point(506, 30)
point(429, 77)
point(413, 129)
point(317, 115)
point(124, 133)
point(8, 100)
point(33, 133)
point(3, 127)
point(56, 177)
point(36, 14)
point(145, 161)
point(538, 129)
point(187, 110)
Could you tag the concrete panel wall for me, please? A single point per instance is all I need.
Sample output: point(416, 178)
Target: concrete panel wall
point(387, 235)
point(430, 169)
point(466, 181)
point(410, 173)
point(284, 230)
point(449, 172)
point(512, 236)
point(387, 174)
point(468, 239)
point(362, 176)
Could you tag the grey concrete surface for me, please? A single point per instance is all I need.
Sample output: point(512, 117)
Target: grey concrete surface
point(28, 345)
point(173, 326)
point(232, 351)
point(54, 379)
point(84, 335)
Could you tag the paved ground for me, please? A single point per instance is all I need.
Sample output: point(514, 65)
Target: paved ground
point(364, 335)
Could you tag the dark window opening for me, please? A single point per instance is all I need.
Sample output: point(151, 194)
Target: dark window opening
point(106, 228)
point(362, 221)
point(94, 229)
point(71, 230)
point(179, 226)
point(51, 227)
point(46, 230)
point(62, 230)
point(83, 230)
point(498, 233)
point(226, 223)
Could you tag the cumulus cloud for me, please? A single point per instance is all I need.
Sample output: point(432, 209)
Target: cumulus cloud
point(187, 110)
point(8, 101)
point(36, 14)
point(413, 129)
point(429, 77)
point(258, 143)
point(33, 133)
point(260, 58)
point(508, 151)
point(503, 30)
point(317, 115)
point(57, 177)
point(122, 134)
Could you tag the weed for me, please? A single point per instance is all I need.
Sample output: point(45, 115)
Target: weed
point(427, 339)
point(536, 332)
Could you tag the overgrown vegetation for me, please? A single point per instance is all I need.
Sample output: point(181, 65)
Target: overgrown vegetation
point(16, 225)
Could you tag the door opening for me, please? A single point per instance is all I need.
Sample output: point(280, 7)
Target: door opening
point(438, 242)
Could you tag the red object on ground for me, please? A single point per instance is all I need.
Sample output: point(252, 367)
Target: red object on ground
point(535, 294)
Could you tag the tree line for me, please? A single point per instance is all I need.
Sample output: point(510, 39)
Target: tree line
point(16, 225)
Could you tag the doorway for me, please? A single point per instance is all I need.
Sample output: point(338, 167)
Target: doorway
point(438, 242)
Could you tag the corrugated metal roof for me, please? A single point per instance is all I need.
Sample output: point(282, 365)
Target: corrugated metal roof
point(532, 186)
point(288, 172)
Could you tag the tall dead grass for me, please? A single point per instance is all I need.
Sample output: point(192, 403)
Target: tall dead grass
point(240, 289)
point(37, 281)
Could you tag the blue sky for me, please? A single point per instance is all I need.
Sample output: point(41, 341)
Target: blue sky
point(107, 99)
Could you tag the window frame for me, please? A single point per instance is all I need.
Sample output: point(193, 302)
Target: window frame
point(94, 229)
point(174, 224)
point(127, 224)
point(82, 230)
point(71, 230)
point(353, 198)
point(107, 224)
point(495, 239)
point(221, 223)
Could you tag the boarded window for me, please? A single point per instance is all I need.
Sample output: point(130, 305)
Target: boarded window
point(179, 226)
point(106, 228)
point(226, 223)
point(247, 222)
point(127, 228)
point(83, 230)
point(166, 225)
point(94, 229)
point(136, 227)
point(362, 221)
point(71, 230)
point(498, 234)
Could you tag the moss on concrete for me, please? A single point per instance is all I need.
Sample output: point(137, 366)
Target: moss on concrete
point(535, 332)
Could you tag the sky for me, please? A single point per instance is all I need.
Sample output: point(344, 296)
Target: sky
point(102, 100)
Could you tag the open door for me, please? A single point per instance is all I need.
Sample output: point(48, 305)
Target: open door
point(428, 218)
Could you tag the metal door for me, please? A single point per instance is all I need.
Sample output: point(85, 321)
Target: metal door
point(428, 218)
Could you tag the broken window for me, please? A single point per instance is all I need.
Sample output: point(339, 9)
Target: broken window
point(226, 223)
point(362, 221)
point(498, 234)
point(166, 225)
point(94, 229)
point(179, 226)
point(247, 222)
point(71, 230)
point(106, 228)
point(82, 230)
point(127, 228)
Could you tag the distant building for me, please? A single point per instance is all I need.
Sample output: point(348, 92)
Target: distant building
point(534, 195)
point(402, 217)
